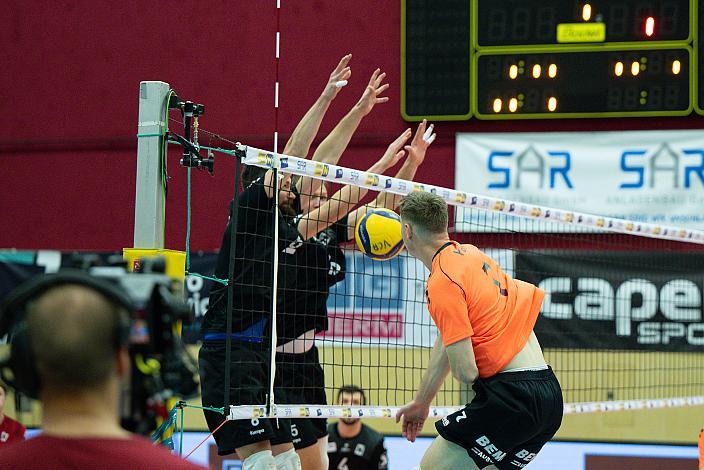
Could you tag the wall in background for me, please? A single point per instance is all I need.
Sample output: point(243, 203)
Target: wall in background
point(70, 95)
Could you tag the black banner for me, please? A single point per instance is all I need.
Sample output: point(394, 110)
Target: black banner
point(19, 266)
point(618, 300)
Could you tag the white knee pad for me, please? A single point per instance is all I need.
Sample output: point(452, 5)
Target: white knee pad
point(288, 460)
point(262, 460)
point(324, 459)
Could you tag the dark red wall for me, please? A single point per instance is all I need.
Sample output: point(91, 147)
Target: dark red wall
point(70, 76)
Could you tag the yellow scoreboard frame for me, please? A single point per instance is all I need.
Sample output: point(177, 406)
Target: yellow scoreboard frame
point(476, 51)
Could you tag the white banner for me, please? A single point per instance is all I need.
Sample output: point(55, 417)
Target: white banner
point(654, 177)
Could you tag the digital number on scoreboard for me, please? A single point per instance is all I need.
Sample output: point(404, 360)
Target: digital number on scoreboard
point(618, 82)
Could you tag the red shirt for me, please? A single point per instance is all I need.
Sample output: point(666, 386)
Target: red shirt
point(10, 431)
point(60, 453)
point(469, 296)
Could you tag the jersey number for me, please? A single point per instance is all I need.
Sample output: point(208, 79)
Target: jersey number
point(502, 291)
point(343, 464)
point(291, 249)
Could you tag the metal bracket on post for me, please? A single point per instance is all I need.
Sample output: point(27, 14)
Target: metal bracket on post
point(149, 198)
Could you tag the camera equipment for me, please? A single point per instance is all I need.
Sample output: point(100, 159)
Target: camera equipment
point(161, 366)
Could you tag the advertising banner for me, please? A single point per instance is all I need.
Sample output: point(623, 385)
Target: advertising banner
point(644, 176)
point(618, 300)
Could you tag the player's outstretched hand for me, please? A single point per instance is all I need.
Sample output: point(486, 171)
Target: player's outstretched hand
point(412, 417)
point(394, 152)
point(372, 94)
point(338, 78)
point(422, 139)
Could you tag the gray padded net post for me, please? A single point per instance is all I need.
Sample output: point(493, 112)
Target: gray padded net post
point(149, 199)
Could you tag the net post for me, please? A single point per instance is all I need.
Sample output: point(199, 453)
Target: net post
point(149, 198)
point(230, 284)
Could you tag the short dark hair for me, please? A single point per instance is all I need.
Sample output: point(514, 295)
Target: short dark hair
point(3, 386)
point(74, 331)
point(250, 174)
point(352, 389)
point(426, 211)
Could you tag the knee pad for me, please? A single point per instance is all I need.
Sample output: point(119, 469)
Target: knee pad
point(262, 460)
point(288, 460)
point(324, 459)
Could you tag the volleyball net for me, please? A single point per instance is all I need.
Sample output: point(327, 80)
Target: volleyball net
point(621, 323)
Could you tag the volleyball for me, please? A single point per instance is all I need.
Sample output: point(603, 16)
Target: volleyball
point(378, 234)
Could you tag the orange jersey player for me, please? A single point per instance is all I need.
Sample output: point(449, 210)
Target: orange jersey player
point(485, 320)
point(701, 449)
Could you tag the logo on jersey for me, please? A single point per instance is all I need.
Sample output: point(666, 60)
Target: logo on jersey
point(490, 449)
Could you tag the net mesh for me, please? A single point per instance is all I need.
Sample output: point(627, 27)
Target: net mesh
point(621, 321)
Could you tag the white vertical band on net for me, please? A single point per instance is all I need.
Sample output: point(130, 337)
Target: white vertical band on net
point(275, 283)
point(376, 182)
point(275, 260)
point(278, 40)
point(333, 411)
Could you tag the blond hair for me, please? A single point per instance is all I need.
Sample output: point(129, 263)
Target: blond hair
point(425, 211)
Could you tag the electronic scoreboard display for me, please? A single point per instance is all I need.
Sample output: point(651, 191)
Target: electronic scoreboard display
point(533, 22)
point(542, 59)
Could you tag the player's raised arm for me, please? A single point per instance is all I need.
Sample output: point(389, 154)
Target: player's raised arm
point(414, 414)
point(332, 147)
point(342, 202)
point(416, 155)
point(422, 139)
point(302, 137)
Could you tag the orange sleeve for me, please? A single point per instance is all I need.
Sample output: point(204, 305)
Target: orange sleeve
point(701, 449)
point(448, 308)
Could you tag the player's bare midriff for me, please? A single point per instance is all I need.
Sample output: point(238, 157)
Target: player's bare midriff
point(531, 356)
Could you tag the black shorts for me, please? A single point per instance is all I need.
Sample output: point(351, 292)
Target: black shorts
point(249, 379)
point(509, 420)
point(302, 381)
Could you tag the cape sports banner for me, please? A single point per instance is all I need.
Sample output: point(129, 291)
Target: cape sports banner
point(618, 300)
point(644, 176)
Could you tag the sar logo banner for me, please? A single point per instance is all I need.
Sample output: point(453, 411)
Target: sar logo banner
point(644, 176)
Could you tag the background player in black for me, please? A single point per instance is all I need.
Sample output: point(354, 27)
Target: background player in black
point(312, 268)
point(353, 445)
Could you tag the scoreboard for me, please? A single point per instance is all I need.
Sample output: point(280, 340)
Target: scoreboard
point(522, 59)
